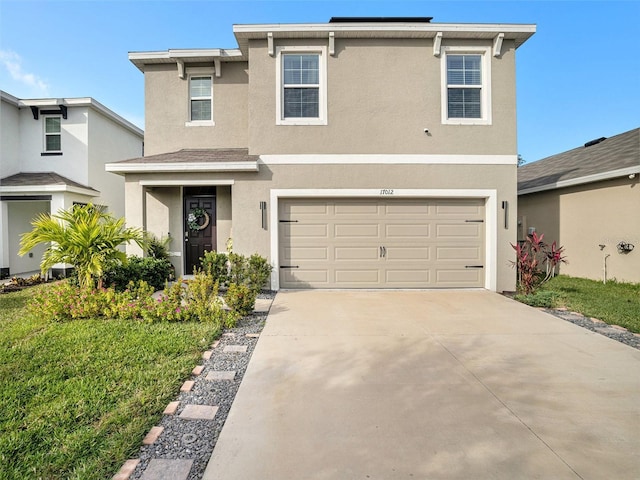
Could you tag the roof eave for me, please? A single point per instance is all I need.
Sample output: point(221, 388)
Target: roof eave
point(185, 167)
point(597, 177)
point(140, 59)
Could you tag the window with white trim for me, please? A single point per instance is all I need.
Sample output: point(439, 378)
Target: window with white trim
point(52, 134)
point(466, 86)
point(201, 98)
point(301, 80)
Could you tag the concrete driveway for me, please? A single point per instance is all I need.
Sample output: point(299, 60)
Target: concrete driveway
point(430, 385)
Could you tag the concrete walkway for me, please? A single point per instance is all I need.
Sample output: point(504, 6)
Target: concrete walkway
point(430, 385)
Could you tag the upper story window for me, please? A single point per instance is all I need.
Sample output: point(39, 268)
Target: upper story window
point(301, 86)
point(466, 86)
point(200, 100)
point(52, 134)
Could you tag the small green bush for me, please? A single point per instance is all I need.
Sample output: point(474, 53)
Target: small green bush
point(154, 271)
point(216, 264)
point(170, 307)
point(155, 247)
point(64, 302)
point(240, 299)
point(202, 296)
point(540, 299)
point(252, 272)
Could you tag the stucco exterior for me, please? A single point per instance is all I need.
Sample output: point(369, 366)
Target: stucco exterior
point(589, 221)
point(166, 114)
point(384, 132)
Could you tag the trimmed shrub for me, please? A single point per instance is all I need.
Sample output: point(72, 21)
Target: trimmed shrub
point(156, 272)
point(216, 264)
point(240, 299)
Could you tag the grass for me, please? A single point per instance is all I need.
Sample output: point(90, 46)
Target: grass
point(77, 398)
point(614, 303)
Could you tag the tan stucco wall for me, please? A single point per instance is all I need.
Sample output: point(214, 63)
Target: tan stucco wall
point(584, 217)
point(382, 94)
point(250, 188)
point(167, 110)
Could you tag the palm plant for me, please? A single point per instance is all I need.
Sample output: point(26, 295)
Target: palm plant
point(83, 236)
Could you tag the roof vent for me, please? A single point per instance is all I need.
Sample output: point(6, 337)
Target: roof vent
point(380, 19)
point(595, 142)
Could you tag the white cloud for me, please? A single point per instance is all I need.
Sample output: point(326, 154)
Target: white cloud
point(13, 63)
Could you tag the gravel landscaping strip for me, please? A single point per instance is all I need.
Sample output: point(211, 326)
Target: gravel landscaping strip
point(614, 332)
point(195, 439)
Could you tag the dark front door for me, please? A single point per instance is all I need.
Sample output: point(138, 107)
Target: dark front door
point(199, 225)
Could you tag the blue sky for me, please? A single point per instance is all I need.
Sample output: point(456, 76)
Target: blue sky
point(578, 77)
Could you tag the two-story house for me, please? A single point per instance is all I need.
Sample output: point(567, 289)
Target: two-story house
point(360, 153)
point(52, 155)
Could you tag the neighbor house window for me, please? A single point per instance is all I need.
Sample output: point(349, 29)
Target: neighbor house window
point(301, 86)
point(52, 134)
point(201, 98)
point(465, 96)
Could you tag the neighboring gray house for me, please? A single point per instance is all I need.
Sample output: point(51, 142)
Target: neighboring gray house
point(588, 200)
point(363, 152)
point(52, 155)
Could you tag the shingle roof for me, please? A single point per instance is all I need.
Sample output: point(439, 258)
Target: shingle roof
point(206, 155)
point(39, 179)
point(614, 153)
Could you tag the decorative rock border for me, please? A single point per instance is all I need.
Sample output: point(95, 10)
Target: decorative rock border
point(615, 332)
point(184, 440)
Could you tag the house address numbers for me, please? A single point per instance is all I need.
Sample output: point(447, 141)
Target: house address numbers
point(386, 191)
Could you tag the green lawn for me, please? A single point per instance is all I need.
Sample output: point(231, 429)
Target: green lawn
point(77, 398)
point(614, 303)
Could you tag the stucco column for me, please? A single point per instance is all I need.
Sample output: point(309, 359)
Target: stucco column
point(135, 214)
point(4, 239)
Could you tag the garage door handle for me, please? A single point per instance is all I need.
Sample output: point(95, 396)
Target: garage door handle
point(383, 252)
point(288, 221)
point(474, 221)
point(474, 266)
point(289, 266)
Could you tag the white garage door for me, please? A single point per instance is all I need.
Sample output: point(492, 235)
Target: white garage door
point(381, 243)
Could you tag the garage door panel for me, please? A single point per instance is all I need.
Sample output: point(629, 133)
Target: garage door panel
point(408, 253)
point(300, 230)
point(378, 243)
point(460, 207)
point(459, 253)
point(455, 277)
point(356, 253)
point(460, 230)
point(358, 209)
point(304, 278)
point(358, 276)
point(416, 207)
point(348, 230)
point(401, 277)
point(308, 207)
point(399, 231)
point(306, 253)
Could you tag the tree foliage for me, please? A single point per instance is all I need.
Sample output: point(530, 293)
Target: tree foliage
point(83, 236)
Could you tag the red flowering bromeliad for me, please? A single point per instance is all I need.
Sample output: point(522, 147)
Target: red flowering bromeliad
point(531, 256)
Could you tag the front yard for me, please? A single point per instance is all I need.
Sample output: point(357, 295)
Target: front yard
point(614, 303)
point(77, 398)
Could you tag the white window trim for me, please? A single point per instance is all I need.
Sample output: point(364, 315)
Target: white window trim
point(199, 72)
point(485, 97)
point(45, 134)
point(322, 93)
